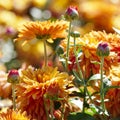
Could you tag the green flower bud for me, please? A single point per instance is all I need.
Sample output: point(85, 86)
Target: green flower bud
point(75, 34)
point(103, 49)
point(13, 76)
point(71, 13)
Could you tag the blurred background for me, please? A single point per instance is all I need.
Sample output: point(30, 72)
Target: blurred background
point(94, 15)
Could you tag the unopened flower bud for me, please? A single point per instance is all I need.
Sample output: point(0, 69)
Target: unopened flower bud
point(13, 76)
point(75, 34)
point(71, 13)
point(10, 31)
point(103, 49)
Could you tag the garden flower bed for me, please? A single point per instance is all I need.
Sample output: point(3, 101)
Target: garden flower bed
point(54, 72)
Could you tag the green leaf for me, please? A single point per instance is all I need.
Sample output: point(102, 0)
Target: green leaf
point(59, 50)
point(77, 75)
point(80, 116)
point(113, 87)
point(77, 81)
point(110, 87)
point(79, 53)
point(106, 83)
point(62, 58)
point(90, 111)
point(96, 77)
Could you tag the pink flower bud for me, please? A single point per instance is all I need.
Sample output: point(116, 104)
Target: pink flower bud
point(10, 31)
point(103, 49)
point(13, 76)
point(71, 13)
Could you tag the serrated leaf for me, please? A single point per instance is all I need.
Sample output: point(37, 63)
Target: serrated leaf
point(80, 116)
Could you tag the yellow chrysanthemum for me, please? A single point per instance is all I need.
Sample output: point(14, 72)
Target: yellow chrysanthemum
point(35, 84)
point(88, 44)
point(43, 30)
point(13, 115)
point(113, 95)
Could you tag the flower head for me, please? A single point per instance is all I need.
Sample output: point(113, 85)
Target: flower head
point(113, 94)
point(71, 13)
point(43, 30)
point(13, 115)
point(87, 44)
point(113, 104)
point(103, 49)
point(35, 84)
point(13, 76)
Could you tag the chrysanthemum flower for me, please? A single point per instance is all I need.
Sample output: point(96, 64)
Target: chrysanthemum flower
point(113, 94)
point(38, 83)
point(43, 30)
point(13, 115)
point(88, 44)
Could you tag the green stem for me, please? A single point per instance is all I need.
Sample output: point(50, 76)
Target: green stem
point(47, 114)
point(68, 46)
point(62, 116)
point(77, 62)
point(13, 96)
point(84, 100)
point(51, 109)
point(102, 85)
point(45, 53)
point(88, 94)
point(81, 75)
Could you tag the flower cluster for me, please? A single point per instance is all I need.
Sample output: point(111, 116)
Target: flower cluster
point(88, 45)
point(88, 73)
point(36, 86)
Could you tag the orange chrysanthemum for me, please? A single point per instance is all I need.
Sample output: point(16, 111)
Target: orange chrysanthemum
point(13, 115)
point(113, 95)
point(43, 30)
point(91, 41)
point(35, 84)
point(88, 44)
